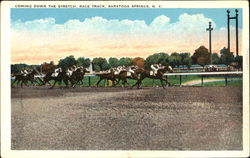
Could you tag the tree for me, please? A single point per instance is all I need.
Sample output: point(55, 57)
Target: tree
point(157, 58)
point(215, 58)
point(201, 56)
point(67, 62)
point(81, 61)
point(16, 68)
point(36, 67)
point(126, 61)
point(97, 68)
point(152, 59)
point(185, 59)
point(113, 62)
point(175, 59)
point(139, 62)
point(239, 60)
point(226, 56)
point(48, 67)
point(100, 64)
point(105, 66)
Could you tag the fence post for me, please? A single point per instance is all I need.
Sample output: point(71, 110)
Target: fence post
point(226, 80)
point(202, 80)
point(180, 80)
point(89, 81)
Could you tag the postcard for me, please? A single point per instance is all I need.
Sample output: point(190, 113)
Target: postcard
point(124, 79)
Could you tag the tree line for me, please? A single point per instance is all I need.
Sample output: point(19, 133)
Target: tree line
point(201, 56)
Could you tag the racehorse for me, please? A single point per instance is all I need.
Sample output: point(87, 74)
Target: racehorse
point(108, 76)
point(159, 75)
point(24, 78)
point(123, 75)
point(77, 76)
point(62, 76)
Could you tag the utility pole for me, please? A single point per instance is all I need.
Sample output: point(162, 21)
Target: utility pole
point(210, 43)
point(228, 30)
point(237, 39)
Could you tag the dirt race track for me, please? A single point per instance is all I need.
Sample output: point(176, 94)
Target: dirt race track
point(177, 118)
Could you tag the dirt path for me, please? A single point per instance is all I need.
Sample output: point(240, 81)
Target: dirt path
point(175, 118)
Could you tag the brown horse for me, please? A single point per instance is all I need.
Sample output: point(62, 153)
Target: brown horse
point(24, 78)
point(107, 76)
point(159, 75)
point(62, 76)
point(77, 76)
point(123, 75)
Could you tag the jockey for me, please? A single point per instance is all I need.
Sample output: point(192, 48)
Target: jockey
point(155, 68)
point(57, 71)
point(73, 68)
point(24, 72)
point(132, 68)
point(120, 68)
point(69, 72)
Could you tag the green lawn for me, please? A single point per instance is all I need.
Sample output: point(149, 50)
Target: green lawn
point(174, 80)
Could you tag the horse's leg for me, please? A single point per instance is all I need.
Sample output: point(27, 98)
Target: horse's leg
point(97, 84)
point(24, 82)
point(167, 83)
point(82, 81)
point(123, 83)
point(162, 83)
point(32, 83)
point(48, 82)
point(126, 82)
point(40, 81)
point(73, 83)
point(37, 82)
point(60, 83)
point(138, 82)
point(21, 84)
point(134, 76)
point(44, 83)
point(106, 83)
point(117, 82)
point(18, 81)
point(113, 82)
point(53, 85)
point(13, 83)
point(77, 83)
point(66, 82)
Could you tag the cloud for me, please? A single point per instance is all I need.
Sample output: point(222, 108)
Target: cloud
point(98, 24)
point(160, 22)
point(98, 36)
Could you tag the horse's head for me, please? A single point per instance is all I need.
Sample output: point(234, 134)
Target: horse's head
point(82, 69)
point(170, 69)
point(86, 70)
point(166, 68)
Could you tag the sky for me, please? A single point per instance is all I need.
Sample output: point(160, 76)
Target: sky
point(40, 35)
